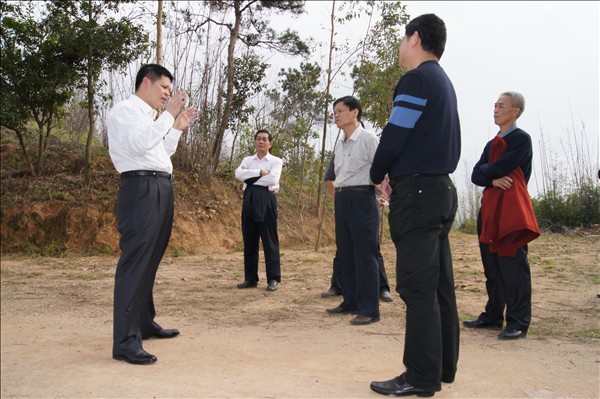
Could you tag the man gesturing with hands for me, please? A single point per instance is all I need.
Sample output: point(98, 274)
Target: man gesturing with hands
point(140, 147)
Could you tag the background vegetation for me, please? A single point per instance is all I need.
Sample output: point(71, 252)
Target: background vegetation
point(65, 63)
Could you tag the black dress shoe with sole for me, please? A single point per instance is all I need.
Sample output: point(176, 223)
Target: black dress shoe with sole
point(140, 356)
point(338, 310)
point(399, 387)
point(247, 284)
point(363, 320)
point(330, 293)
point(478, 323)
point(165, 333)
point(385, 296)
point(511, 333)
point(448, 380)
point(272, 286)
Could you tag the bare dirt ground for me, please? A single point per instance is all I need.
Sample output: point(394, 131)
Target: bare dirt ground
point(57, 324)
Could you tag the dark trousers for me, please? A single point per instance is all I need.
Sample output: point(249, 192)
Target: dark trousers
point(266, 231)
point(144, 220)
point(508, 285)
point(356, 233)
point(422, 210)
point(336, 277)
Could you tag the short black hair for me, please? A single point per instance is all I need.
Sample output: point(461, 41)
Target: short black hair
point(352, 103)
point(264, 131)
point(432, 31)
point(153, 72)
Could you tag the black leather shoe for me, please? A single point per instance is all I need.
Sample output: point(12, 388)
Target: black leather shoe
point(511, 333)
point(140, 356)
point(165, 333)
point(330, 293)
point(385, 296)
point(399, 387)
point(363, 320)
point(272, 286)
point(478, 323)
point(338, 310)
point(247, 284)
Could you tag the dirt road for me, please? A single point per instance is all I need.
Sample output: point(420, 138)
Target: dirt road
point(56, 326)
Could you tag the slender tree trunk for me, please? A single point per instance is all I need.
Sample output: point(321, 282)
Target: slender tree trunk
point(19, 134)
point(233, 37)
point(44, 143)
point(90, 94)
point(40, 148)
point(325, 121)
point(159, 17)
point(235, 137)
point(42, 121)
point(325, 107)
point(302, 171)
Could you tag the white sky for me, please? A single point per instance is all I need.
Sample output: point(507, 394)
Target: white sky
point(548, 51)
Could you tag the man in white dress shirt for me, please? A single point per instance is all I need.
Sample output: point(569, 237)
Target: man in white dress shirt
point(260, 174)
point(141, 146)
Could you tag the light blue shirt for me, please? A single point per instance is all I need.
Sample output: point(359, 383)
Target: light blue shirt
point(509, 130)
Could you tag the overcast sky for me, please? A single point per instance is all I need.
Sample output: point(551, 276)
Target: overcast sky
point(548, 51)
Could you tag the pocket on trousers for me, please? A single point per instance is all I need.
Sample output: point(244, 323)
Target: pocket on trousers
point(402, 216)
point(435, 203)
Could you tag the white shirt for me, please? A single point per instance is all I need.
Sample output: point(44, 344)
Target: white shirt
point(251, 166)
point(138, 142)
point(353, 158)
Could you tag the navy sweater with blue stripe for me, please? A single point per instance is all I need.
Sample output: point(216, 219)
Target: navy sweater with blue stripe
point(422, 135)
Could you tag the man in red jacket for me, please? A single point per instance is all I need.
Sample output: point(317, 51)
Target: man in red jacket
point(506, 222)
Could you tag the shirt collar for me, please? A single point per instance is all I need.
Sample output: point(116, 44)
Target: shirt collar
point(267, 157)
point(357, 132)
point(143, 105)
point(507, 131)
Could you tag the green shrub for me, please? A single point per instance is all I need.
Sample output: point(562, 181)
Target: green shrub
point(468, 226)
point(581, 208)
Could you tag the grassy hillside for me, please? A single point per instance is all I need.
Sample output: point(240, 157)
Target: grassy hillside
point(54, 214)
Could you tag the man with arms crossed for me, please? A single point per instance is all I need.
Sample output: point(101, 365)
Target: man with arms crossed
point(504, 170)
point(260, 174)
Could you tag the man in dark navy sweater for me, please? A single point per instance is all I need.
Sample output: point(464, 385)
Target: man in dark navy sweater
point(419, 148)
point(508, 278)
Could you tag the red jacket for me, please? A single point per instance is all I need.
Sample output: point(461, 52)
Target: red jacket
point(508, 221)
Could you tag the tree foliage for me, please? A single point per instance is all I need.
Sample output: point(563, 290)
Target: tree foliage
point(216, 51)
point(95, 39)
point(301, 112)
point(247, 21)
point(37, 74)
point(379, 71)
point(249, 74)
point(555, 211)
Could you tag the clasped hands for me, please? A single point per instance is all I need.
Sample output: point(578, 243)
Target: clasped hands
point(185, 118)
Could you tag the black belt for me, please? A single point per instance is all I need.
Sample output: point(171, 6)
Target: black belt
point(354, 188)
point(136, 173)
point(415, 176)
